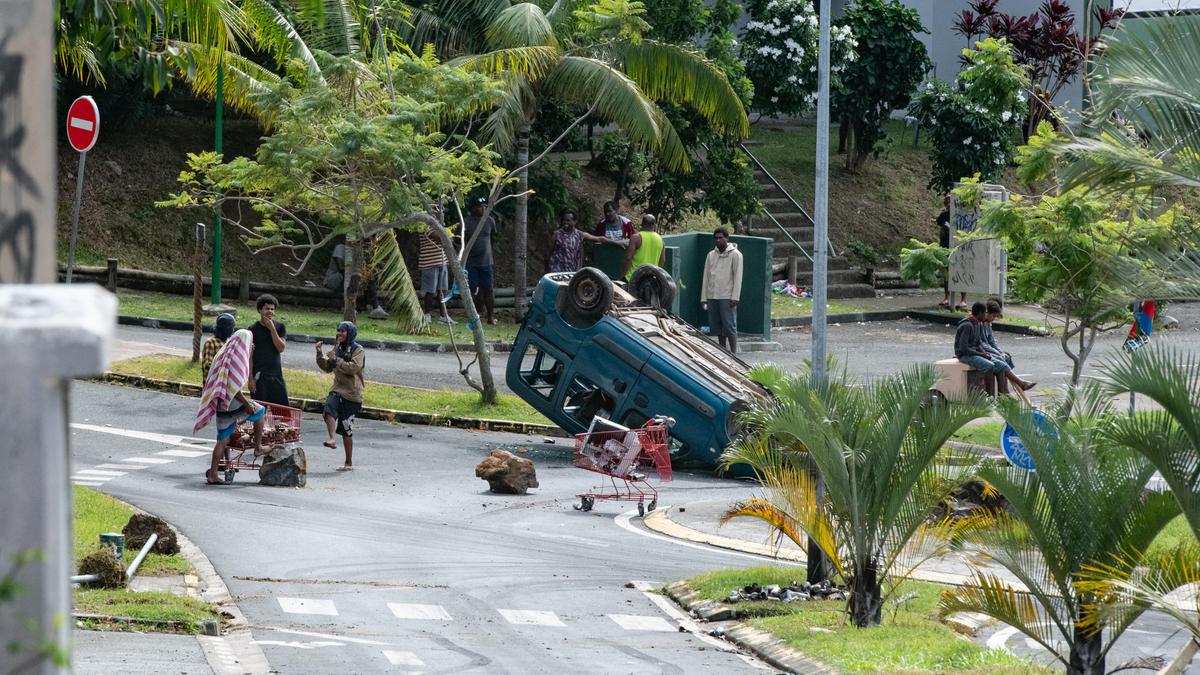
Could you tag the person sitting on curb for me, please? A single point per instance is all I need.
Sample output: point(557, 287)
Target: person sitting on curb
point(222, 331)
point(995, 310)
point(346, 362)
point(223, 399)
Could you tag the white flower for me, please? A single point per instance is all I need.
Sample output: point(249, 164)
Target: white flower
point(1006, 115)
point(774, 99)
point(812, 20)
point(995, 144)
point(967, 140)
point(1021, 96)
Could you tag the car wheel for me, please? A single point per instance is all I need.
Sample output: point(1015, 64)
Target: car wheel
point(653, 287)
point(588, 296)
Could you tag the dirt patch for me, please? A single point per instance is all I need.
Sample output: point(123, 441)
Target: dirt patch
point(104, 564)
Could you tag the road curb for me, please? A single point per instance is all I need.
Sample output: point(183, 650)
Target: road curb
point(382, 414)
point(390, 345)
point(894, 315)
point(759, 642)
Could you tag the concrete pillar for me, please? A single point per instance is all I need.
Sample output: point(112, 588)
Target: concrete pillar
point(244, 289)
point(793, 270)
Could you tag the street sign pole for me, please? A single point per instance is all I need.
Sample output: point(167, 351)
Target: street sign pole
point(818, 563)
point(220, 132)
point(83, 128)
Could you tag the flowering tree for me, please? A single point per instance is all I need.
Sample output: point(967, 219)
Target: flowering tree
point(779, 47)
point(972, 122)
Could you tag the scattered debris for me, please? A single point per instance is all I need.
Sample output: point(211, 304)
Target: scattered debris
point(506, 473)
point(797, 590)
point(548, 440)
point(104, 564)
point(141, 526)
point(284, 466)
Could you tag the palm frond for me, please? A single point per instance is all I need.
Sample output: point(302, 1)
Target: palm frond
point(244, 80)
point(530, 62)
point(674, 73)
point(1130, 584)
point(521, 25)
point(992, 596)
point(214, 23)
point(387, 262)
point(277, 35)
point(338, 31)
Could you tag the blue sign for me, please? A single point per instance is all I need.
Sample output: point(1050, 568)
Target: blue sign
point(1014, 447)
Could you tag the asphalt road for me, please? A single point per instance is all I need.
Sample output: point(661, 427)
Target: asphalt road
point(408, 563)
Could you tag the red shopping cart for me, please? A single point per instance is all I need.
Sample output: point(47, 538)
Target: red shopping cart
point(281, 426)
point(624, 455)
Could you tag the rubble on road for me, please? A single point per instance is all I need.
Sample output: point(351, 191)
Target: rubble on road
point(797, 590)
point(284, 466)
point(506, 473)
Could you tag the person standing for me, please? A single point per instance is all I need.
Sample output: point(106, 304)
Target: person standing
point(645, 247)
point(566, 246)
point(435, 277)
point(943, 225)
point(721, 288)
point(480, 278)
point(222, 331)
point(346, 361)
point(222, 399)
point(266, 383)
point(614, 228)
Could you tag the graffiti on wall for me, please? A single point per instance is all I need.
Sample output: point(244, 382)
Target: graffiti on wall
point(18, 241)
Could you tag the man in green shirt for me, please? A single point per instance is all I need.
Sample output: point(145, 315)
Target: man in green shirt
point(645, 247)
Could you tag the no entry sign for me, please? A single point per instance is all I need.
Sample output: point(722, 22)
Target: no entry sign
point(83, 123)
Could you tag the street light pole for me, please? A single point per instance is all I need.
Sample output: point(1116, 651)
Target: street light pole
point(218, 143)
point(818, 564)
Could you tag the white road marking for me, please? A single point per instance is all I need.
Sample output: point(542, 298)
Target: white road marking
point(307, 606)
point(185, 441)
point(86, 483)
point(636, 622)
point(419, 612)
point(147, 460)
point(357, 641)
point(622, 521)
point(190, 454)
point(997, 640)
point(670, 609)
point(80, 123)
point(531, 617)
point(402, 658)
point(301, 645)
point(126, 467)
point(99, 473)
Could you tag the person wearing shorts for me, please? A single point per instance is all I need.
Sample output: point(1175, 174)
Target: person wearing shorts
point(224, 401)
point(435, 277)
point(480, 280)
point(346, 361)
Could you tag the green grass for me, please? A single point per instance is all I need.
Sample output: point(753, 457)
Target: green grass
point(911, 639)
point(785, 306)
point(151, 608)
point(309, 321)
point(314, 385)
point(984, 433)
point(1176, 534)
point(96, 512)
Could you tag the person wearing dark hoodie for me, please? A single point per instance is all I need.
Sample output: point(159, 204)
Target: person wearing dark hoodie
point(346, 361)
point(222, 330)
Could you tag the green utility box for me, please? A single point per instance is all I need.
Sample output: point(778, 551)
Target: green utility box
point(684, 261)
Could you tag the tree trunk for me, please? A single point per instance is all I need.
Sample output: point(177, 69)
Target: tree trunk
point(1087, 655)
point(487, 386)
point(351, 277)
point(521, 225)
point(866, 606)
point(623, 178)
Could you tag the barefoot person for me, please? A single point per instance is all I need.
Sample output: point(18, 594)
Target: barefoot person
point(345, 398)
point(224, 400)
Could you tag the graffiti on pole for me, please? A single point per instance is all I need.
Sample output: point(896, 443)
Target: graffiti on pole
point(18, 243)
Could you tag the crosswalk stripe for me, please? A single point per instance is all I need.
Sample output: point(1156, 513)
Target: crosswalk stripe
point(127, 467)
point(531, 617)
point(87, 483)
point(147, 460)
point(419, 612)
point(190, 454)
point(402, 658)
point(636, 622)
point(307, 606)
point(99, 472)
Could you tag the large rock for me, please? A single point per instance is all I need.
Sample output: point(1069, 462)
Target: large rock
point(284, 466)
point(141, 526)
point(104, 564)
point(506, 473)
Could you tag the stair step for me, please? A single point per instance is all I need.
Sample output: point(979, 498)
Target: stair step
point(788, 218)
point(833, 264)
point(843, 291)
point(770, 191)
point(833, 277)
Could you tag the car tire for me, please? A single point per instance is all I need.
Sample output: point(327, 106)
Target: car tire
point(586, 298)
point(653, 287)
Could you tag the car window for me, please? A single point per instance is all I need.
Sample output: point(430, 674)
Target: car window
point(585, 400)
point(540, 370)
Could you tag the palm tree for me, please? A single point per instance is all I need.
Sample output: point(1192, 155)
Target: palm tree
point(879, 449)
point(596, 59)
point(1083, 506)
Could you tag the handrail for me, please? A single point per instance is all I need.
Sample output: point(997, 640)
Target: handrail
point(832, 251)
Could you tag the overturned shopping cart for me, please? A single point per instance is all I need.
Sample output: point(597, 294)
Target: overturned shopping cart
point(625, 456)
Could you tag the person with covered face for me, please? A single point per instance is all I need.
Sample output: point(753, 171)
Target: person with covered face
point(346, 361)
point(224, 401)
point(222, 331)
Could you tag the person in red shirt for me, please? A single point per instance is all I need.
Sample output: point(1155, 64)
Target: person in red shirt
point(615, 228)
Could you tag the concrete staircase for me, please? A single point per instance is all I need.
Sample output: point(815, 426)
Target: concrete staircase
point(844, 280)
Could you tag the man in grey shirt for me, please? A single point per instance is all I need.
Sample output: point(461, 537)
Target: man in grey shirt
point(479, 258)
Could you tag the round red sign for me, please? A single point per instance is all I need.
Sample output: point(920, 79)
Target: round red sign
point(83, 123)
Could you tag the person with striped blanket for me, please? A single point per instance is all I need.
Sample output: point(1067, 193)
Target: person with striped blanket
point(224, 400)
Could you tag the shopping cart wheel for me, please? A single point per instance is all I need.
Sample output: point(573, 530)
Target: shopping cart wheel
point(641, 509)
point(585, 504)
point(229, 476)
point(653, 505)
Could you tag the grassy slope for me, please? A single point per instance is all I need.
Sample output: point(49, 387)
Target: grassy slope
point(314, 385)
point(911, 638)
